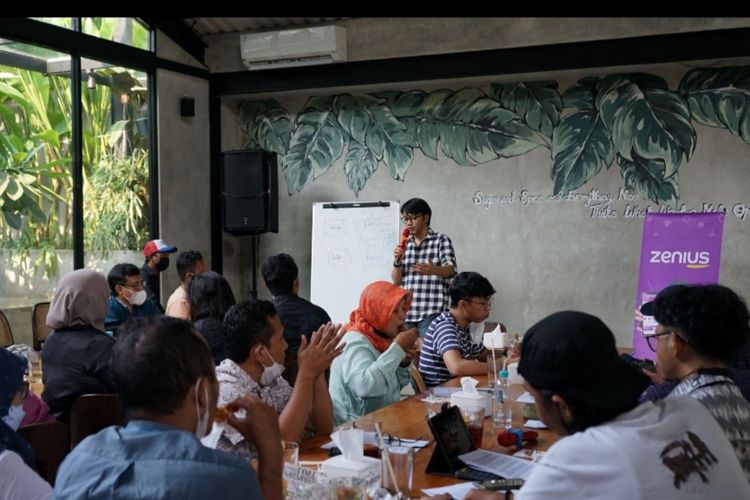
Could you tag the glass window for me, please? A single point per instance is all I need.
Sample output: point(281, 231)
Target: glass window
point(115, 163)
point(63, 22)
point(36, 229)
point(125, 30)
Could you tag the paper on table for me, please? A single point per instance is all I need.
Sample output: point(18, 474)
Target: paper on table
point(525, 398)
point(535, 424)
point(455, 490)
point(372, 438)
point(497, 463)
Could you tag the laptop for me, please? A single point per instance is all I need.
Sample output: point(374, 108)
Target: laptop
point(452, 439)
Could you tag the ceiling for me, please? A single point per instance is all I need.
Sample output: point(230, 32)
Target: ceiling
point(215, 25)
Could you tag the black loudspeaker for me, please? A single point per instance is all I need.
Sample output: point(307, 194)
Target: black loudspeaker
point(187, 107)
point(249, 192)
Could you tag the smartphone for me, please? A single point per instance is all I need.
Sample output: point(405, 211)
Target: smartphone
point(639, 363)
point(499, 484)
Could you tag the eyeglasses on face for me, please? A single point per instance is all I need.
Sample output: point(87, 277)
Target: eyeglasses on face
point(138, 285)
point(652, 339)
point(410, 218)
point(483, 303)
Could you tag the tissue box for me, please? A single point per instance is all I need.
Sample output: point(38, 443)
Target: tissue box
point(473, 400)
point(339, 466)
point(497, 339)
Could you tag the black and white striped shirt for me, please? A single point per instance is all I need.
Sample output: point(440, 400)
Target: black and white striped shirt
point(444, 334)
point(430, 293)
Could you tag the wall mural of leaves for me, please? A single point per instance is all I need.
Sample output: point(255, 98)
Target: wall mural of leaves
point(633, 118)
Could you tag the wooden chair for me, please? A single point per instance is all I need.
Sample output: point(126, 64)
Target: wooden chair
point(416, 380)
point(39, 327)
point(6, 334)
point(91, 413)
point(51, 443)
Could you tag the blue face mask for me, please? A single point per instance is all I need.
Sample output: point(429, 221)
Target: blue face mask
point(14, 417)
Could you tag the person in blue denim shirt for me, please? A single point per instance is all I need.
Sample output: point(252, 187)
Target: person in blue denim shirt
point(164, 374)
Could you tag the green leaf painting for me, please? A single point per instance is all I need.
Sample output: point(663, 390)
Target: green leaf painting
point(633, 118)
point(647, 177)
point(720, 98)
point(316, 143)
point(267, 124)
point(537, 103)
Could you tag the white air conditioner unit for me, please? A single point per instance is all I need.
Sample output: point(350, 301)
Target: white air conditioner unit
point(293, 47)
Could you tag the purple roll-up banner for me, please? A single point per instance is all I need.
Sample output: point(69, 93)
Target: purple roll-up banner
point(675, 248)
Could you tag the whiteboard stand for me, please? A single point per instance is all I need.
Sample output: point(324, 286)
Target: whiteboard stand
point(352, 246)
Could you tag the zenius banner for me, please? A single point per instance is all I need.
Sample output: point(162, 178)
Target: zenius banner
point(675, 248)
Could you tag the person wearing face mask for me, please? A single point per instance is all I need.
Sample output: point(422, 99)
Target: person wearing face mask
point(158, 454)
point(156, 255)
point(76, 354)
point(18, 480)
point(128, 295)
point(376, 362)
point(256, 345)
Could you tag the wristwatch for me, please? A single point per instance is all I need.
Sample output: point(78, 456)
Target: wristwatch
point(396, 263)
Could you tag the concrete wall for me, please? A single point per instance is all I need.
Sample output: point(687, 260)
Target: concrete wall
point(386, 37)
point(541, 256)
point(184, 164)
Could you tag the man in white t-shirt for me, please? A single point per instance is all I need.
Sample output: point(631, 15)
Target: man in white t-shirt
point(611, 447)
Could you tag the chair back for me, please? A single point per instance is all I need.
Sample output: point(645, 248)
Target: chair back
point(39, 328)
point(51, 443)
point(91, 413)
point(416, 380)
point(6, 334)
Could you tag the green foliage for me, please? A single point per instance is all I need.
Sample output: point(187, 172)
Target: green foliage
point(720, 98)
point(35, 176)
point(633, 118)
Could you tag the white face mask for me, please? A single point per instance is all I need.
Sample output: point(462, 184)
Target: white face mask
point(14, 417)
point(201, 427)
point(137, 298)
point(270, 373)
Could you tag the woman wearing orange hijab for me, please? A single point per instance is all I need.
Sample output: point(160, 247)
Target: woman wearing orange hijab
point(375, 364)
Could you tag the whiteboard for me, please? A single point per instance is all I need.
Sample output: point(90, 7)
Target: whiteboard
point(352, 246)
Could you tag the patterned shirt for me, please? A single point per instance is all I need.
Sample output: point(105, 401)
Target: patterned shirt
point(234, 382)
point(444, 334)
point(430, 292)
point(719, 394)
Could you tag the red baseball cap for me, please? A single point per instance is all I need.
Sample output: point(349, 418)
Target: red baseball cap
point(154, 246)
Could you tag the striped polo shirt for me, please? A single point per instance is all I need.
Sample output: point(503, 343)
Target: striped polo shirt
point(443, 335)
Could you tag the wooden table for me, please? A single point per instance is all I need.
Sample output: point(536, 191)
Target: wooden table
point(407, 419)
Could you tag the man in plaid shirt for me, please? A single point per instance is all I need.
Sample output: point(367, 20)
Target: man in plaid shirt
point(425, 266)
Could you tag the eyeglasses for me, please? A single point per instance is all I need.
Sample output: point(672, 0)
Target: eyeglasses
point(410, 218)
point(140, 285)
point(487, 304)
point(652, 340)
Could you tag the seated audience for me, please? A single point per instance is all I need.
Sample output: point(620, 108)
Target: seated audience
point(611, 447)
point(699, 329)
point(256, 345)
point(165, 376)
point(210, 297)
point(447, 349)
point(189, 264)
point(298, 316)
point(75, 356)
point(18, 479)
point(128, 297)
point(376, 362)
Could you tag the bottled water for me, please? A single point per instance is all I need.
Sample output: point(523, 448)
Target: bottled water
point(502, 411)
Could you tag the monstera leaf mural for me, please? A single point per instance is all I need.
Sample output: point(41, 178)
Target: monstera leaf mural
point(581, 142)
point(720, 98)
point(632, 118)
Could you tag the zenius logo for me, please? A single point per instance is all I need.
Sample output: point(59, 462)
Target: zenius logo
point(693, 260)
